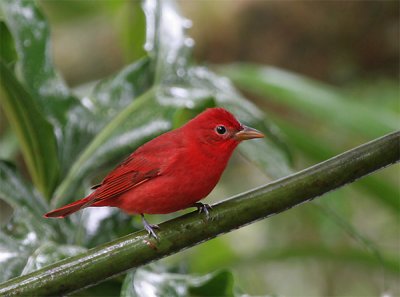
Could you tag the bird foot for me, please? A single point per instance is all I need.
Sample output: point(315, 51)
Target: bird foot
point(150, 228)
point(203, 207)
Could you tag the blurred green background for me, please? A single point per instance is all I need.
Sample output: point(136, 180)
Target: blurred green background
point(326, 73)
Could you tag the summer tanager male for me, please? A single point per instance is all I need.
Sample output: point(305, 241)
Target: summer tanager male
point(171, 172)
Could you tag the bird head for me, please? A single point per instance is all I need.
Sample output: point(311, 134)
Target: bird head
point(218, 127)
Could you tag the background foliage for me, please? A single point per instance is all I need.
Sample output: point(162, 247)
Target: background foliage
point(57, 140)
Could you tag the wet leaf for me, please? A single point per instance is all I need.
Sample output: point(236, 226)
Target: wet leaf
point(104, 224)
point(48, 253)
point(18, 192)
point(166, 40)
point(35, 134)
point(26, 231)
point(146, 282)
point(109, 97)
point(34, 67)
point(36, 73)
point(19, 239)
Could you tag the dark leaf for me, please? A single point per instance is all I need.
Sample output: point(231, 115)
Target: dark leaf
point(7, 47)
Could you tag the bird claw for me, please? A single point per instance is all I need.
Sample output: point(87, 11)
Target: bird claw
point(150, 228)
point(203, 207)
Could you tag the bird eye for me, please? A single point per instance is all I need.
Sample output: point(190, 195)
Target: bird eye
point(220, 130)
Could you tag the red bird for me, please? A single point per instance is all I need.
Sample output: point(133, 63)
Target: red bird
point(171, 172)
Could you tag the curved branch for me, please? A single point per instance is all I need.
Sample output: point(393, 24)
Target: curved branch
point(137, 249)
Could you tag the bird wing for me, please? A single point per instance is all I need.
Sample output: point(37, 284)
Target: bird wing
point(131, 173)
point(147, 162)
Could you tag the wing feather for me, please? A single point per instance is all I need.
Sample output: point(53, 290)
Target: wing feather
point(125, 177)
point(147, 162)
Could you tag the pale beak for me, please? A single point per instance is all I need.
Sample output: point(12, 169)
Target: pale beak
point(248, 133)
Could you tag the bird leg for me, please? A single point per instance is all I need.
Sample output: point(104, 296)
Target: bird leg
point(203, 207)
point(150, 227)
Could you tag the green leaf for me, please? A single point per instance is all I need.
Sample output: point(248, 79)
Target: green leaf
point(34, 132)
point(109, 97)
point(19, 193)
point(18, 258)
point(48, 253)
point(312, 98)
point(18, 241)
point(211, 255)
point(120, 90)
point(103, 225)
point(154, 281)
point(35, 69)
point(166, 40)
point(7, 48)
point(132, 29)
point(218, 284)
point(26, 231)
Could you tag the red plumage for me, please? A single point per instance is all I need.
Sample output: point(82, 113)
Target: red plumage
point(170, 172)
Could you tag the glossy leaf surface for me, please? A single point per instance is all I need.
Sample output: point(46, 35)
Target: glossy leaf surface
point(35, 69)
point(19, 240)
point(19, 193)
point(147, 282)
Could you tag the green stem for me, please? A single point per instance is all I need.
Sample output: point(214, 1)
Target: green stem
point(137, 249)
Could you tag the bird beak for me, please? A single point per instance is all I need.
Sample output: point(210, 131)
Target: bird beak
point(248, 133)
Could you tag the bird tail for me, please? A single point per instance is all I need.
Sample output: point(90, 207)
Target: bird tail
point(68, 209)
